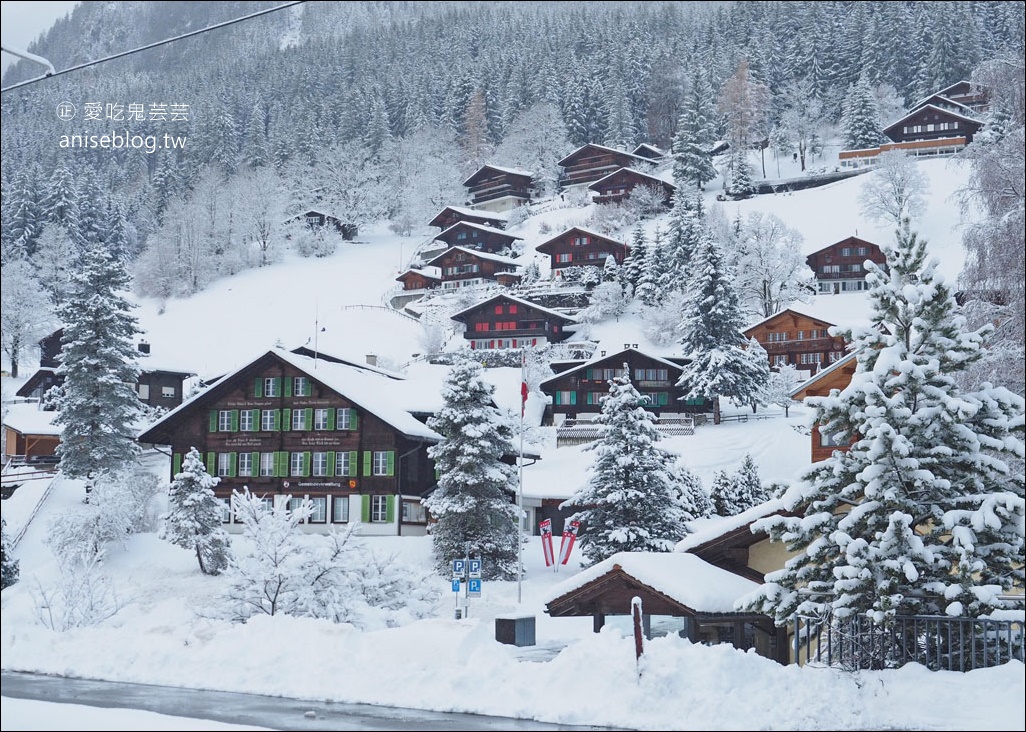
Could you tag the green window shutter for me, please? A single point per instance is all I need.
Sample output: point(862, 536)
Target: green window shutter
point(587, 374)
point(286, 423)
point(352, 419)
point(212, 463)
point(331, 419)
point(390, 469)
point(233, 464)
point(176, 464)
point(281, 468)
point(331, 464)
point(308, 418)
point(352, 463)
point(277, 385)
point(390, 509)
point(573, 397)
point(258, 387)
point(365, 509)
point(307, 460)
point(213, 420)
point(366, 463)
point(235, 420)
point(255, 460)
point(288, 386)
point(277, 420)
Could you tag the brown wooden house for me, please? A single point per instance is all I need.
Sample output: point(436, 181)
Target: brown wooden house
point(460, 267)
point(590, 162)
point(840, 266)
point(618, 186)
point(580, 247)
point(796, 338)
point(963, 92)
point(650, 152)
point(315, 218)
point(478, 237)
point(836, 376)
point(576, 392)
point(933, 124)
point(425, 278)
point(452, 214)
point(30, 436)
point(504, 321)
point(287, 424)
point(494, 188)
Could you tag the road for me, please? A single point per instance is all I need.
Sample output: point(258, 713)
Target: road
point(253, 709)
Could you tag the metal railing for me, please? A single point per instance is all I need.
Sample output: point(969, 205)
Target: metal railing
point(937, 642)
point(579, 432)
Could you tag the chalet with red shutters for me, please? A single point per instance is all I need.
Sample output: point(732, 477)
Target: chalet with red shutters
point(580, 247)
point(504, 321)
point(290, 425)
point(425, 278)
point(836, 376)
point(620, 184)
point(798, 339)
point(590, 162)
point(840, 267)
point(460, 267)
point(453, 214)
point(478, 237)
point(494, 188)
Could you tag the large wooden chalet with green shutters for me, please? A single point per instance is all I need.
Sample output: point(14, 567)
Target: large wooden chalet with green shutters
point(299, 425)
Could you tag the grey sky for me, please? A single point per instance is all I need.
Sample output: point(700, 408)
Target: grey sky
point(23, 22)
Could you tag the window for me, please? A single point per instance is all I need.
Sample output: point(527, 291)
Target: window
point(801, 335)
point(379, 462)
point(810, 358)
point(267, 464)
point(247, 420)
point(319, 509)
point(580, 241)
point(226, 511)
point(340, 509)
point(862, 251)
point(299, 419)
point(845, 251)
point(167, 392)
point(780, 360)
point(343, 464)
point(566, 397)
point(224, 464)
point(564, 258)
point(268, 420)
point(270, 386)
point(300, 386)
point(379, 509)
point(414, 512)
point(345, 419)
point(297, 464)
point(320, 464)
point(320, 421)
point(833, 356)
point(144, 391)
point(826, 439)
point(245, 464)
point(498, 309)
point(224, 420)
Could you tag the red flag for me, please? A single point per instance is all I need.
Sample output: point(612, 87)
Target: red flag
point(567, 544)
point(546, 537)
point(523, 397)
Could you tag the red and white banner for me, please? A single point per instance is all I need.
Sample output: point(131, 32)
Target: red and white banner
point(546, 537)
point(567, 544)
point(523, 397)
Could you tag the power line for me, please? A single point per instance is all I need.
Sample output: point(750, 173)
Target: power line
point(149, 46)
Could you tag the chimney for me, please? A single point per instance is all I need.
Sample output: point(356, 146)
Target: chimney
point(372, 360)
point(144, 347)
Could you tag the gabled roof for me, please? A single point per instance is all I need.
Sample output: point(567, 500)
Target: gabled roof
point(428, 273)
point(649, 148)
point(594, 146)
point(782, 313)
point(498, 218)
point(29, 419)
point(498, 169)
point(940, 99)
point(478, 227)
point(526, 303)
point(630, 171)
point(479, 255)
point(854, 240)
point(546, 245)
point(32, 382)
point(822, 374)
point(943, 111)
point(593, 361)
point(371, 391)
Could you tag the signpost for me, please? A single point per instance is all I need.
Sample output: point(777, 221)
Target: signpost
point(466, 573)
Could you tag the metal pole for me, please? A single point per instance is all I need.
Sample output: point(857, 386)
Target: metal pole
point(520, 486)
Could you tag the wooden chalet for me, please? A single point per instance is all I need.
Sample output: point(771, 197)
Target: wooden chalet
point(650, 152)
point(460, 267)
point(425, 278)
point(453, 214)
point(964, 93)
point(315, 218)
point(576, 392)
point(478, 237)
point(840, 266)
point(288, 424)
point(934, 124)
point(618, 186)
point(580, 247)
point(796, 338)
point(504, 321)
point(590, 162)
point(494, 188)
point(836, 376)
point(30, 436)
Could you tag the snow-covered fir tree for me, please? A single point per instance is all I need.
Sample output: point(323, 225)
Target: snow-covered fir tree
point(860, 118)
point(924, 513)
point(631, 501)
point(98, 405)
point(193, 520)
point(694, 499)
point(9, 565)
point(473, 504)
point(721, 494)
point(686, 225)
point(740, 185)
point(748, 487)
point(711, 334)
point(696, 135)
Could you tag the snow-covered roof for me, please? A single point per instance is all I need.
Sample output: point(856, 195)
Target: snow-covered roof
point(525, 303)
point(598, 183)
point(476, 253)
point(583, 230)
point(608, 356)
point(609, 149)
point(29, 419)
point(934, 107)
point(478, 227)
point(481, 214)
point(501, 169)
point(431, 273)
point(686, 578)
point(836, 365)
point(715, 528)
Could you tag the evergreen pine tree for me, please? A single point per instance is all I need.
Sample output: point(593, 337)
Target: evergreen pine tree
point(923, 514)
point(634, 264)
point(631, 501)
point(696, 135)
point(9, 566)
point(648, 289)
point(98, 405)
point(686, 221)
point(194, 513)
point(741, 185)
point(691, 494)
point(748, 486)
point(472, 504)
point(860, 117)
point(721, 494)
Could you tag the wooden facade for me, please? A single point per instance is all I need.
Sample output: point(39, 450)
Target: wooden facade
point(504, 321)
point(964, 93)
point(840, 266)
point(314, 218)
point(618, 186)
point(461, 267)
point(478, 237)
point(931, 122)
point(30, 436)
point(798, 339)
point(577, 392)
point(290, 425)
point(493, 188)
point(427, 278)
point(650, 152)
point(579, 247)
point(590, 162)
point(453, 214)
point(837, 376)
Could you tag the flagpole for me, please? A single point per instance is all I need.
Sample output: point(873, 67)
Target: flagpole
point(520, 485)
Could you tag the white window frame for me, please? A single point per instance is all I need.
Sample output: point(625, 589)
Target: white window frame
point(296, 463)
point(298, 419)
point(379, 462)
point(379, 509)
point(319, 464)
point(267, 420)
point(270, 386)
point(340, 509)
point(245, 465)
point(224, 420)
point(342, 466)
point(319, 509)
point(320, 419)
point(246, 420)
point(167, 392)
point(267, 465)
point(224, 464)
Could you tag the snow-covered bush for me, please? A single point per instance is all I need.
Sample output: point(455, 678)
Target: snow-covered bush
point(82, 597)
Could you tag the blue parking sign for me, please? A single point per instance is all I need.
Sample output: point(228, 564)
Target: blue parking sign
point(455, 585)
point(459, 567)
point(474, 588)
point(474, 566)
